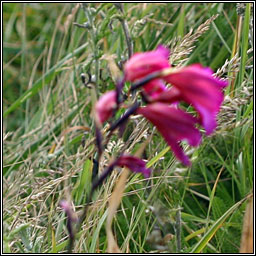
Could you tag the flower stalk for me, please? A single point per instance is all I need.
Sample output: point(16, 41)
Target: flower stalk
point(151, 72)
point(94, 46)
point(125, 27)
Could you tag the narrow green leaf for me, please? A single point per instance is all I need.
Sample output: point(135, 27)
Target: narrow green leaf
point(189, 217)
point(181, 24)
point(6, 247)
point(59, 247)
point(195, 234)
point(40, 83)
point(248, 110)
point(244, 46)
point(214, 228)
point(200, 48)
point(221, 38)
point(17, 230)
point(54, 249)
point(96, 232)
point(221, 55)
point(84, 181)
point(157, 157)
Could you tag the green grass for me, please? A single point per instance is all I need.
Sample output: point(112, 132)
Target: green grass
point(44, 54)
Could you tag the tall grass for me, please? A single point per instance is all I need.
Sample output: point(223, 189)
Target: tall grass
point(45, 50)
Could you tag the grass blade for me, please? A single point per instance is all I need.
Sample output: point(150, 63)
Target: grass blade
point(214, 228)
point(45, 79)
point(244, 45)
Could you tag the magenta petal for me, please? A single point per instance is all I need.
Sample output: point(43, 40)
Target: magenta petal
point(105, 106)
point(179, 153)
point(163, 51)
point(142, 64)
point(198, 87)
point(208, 117)
point(170, 96)
point(135, 164)
point(155, 87)
point(175, 125)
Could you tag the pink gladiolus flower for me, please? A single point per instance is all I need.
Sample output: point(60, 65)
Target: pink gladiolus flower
point(143, 64)
point(135, 164)
point(174, 125)
point(105, 106)
point(198, 87)
point(171, 96)
point(154, 88)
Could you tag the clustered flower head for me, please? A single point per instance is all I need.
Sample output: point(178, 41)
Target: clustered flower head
point(193, 85)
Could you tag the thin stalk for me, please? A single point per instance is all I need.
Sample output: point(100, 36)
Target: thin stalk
point(178, 230)
point(235, 51)
point(94, 36)
point(127, 37)
point(244, 45)
point(125, 27)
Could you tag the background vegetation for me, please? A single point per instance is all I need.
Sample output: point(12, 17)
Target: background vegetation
point(178, 209)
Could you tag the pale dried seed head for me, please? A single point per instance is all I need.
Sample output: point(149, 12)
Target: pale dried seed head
point(231, 65)
point(182, 47)
point(227, 118)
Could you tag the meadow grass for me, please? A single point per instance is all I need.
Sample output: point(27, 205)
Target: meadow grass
point(46, 47)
